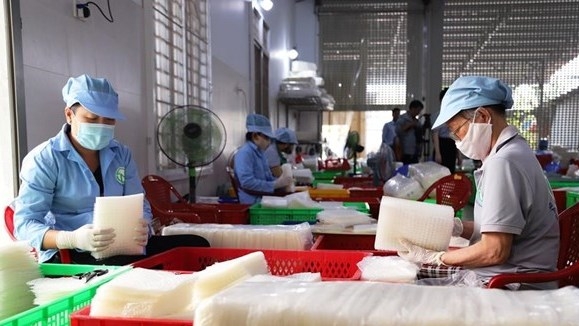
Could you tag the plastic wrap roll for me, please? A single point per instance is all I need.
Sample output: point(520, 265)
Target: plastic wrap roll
point(424, 224)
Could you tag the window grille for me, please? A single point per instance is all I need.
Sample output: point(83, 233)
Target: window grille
point(533, 46)
point(181, 59)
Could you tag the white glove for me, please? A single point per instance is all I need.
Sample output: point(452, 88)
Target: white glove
point(282, 181)
point(142, 233)
point(86, 238)
point(458, 228)
point(417, 254)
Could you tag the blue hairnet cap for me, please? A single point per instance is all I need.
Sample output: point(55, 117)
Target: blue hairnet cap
point(259, 123)
point(286, 135)
point(95, 94)
point(470, 92)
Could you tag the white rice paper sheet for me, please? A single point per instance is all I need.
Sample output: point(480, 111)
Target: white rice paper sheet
point(291, 237)
point(382, 304)
point(424, 224)
point(122, 213)
point(145, 293)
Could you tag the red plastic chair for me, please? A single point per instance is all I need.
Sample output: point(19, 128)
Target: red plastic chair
point(567, 263)
point(167, 203)
point(9, 226)
point(452, 190)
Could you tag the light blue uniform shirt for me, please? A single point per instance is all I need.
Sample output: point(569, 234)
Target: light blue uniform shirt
point(58, 189)
point(253, 172)
point(389, 133)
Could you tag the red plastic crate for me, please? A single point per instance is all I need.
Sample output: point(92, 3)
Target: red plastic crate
point(362, 242)
point(332, 265)
point(222, 213)
point(82, 317)
point(560, 199)
point(350, 182)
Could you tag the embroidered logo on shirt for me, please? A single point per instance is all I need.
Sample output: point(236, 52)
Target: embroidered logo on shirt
point(120, 175)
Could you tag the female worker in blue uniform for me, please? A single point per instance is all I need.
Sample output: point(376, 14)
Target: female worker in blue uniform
point(250, 165)
point(515, 227)
point(284, 142)
point(61, 178)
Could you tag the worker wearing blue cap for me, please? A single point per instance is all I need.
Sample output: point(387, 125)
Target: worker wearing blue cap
point(250, 165)
point(284, 142)
point(515, 227)
point(62, 177)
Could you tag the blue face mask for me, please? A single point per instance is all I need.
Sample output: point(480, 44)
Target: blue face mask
point(94, 136)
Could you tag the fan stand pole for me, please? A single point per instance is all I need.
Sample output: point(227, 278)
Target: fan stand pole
point(192, 196)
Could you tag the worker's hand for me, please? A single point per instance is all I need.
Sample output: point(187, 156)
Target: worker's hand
point(437, 158)
point(458, 228)
point(86, 238)
point(417, 254)
point(142, 233)
point(282, 181)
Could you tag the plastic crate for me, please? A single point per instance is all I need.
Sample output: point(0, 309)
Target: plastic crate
point(332, 265)
point(329, 193)
point(558, 183)
point(259, 215)
point(572, 198)
point(361, 242)
point(82, 317)
point(270, 216)
point(57, 312)
point(377, 192)
point(560, 199)
point(360, 181)
point(222, 213)
point(326, 175)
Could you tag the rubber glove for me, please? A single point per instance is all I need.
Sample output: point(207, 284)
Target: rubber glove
point(282, 181)
point(86, 238)
point(417, 254)
point(458, 228)
point(142, 233)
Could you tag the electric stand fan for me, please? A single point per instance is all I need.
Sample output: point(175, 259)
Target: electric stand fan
point(191, 136)
point(353, 147)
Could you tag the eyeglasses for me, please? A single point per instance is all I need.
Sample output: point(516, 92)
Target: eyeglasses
point(453, 134)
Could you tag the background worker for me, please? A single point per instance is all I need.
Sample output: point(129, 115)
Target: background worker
point(285, 140)
point(409, 132)
point(250, 165)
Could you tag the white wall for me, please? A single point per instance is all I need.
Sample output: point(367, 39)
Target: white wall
point(56, 46)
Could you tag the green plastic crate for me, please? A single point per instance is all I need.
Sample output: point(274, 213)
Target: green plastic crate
point(269, 216)
point(563, 183)
point(327, 175)
point(572, 198)
point(359, 206)
point(56, 313)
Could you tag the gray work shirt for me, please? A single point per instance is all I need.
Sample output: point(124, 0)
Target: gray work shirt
point(514, 196)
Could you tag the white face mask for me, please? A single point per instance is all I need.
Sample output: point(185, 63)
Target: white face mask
point(476, 144)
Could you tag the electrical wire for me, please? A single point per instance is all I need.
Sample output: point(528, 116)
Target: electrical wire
point(111, 20)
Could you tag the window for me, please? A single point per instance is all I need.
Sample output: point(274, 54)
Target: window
point(182, 69)
point(260, 35)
